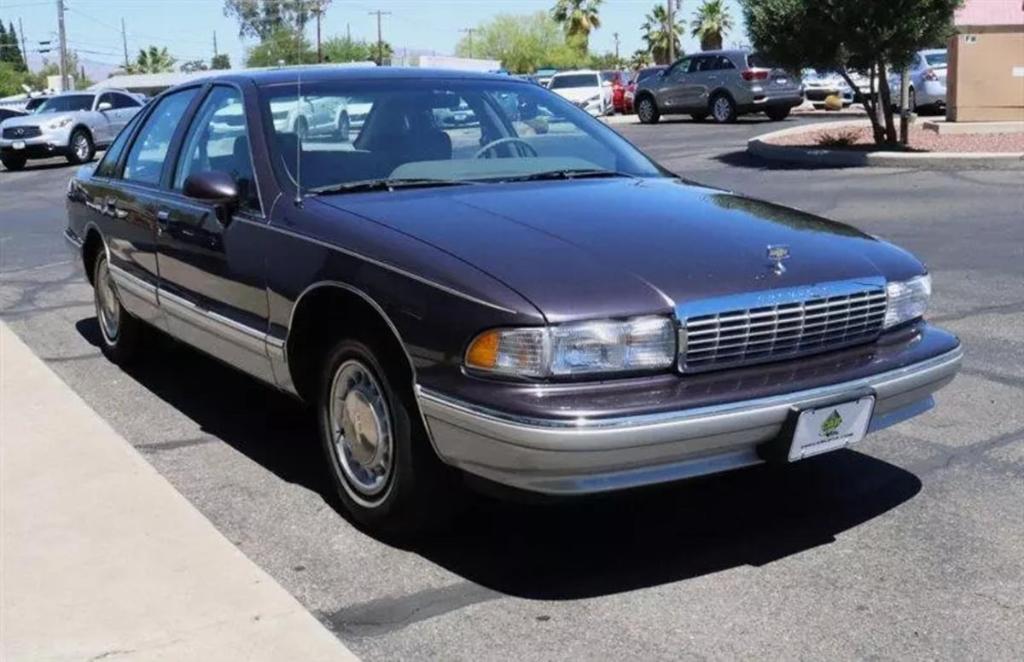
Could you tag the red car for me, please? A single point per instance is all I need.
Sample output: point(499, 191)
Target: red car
point(618, 80)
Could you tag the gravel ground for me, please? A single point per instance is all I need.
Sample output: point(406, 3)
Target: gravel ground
point(921, 140)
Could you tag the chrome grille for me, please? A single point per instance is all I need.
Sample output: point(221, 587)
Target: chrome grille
point(18, 132)
point(790, 323)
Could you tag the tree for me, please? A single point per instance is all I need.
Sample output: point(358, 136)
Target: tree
point(193, 66)
point(284, 46)
point(11, 80)
point(658, 32)
point(640, 59)
point(151, 60)
point(346, 49)
point(10, 50)
point(523, 43)
point(220, 61)
point(837, 34)
point(76, 71)
point(710, 24)
point(578, 19)
point(263, 18)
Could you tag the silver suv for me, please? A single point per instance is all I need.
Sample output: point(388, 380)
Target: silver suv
point(722, 84)
point(73, 125)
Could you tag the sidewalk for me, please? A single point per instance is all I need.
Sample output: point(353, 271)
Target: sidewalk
point(103, 559)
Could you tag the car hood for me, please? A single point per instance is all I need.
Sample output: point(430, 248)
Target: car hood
point(613, 247)
point(578, 93)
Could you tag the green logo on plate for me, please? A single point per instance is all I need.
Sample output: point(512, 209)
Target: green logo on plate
point(831, 424)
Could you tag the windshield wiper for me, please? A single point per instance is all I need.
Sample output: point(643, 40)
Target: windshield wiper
point(569, 173)
point(385, 184)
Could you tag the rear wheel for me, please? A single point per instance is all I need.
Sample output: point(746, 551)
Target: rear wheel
point(119, 331)
point(80, 147)
point(12, 162)
point(383, 467)
point(647, 110)
point(723, 108)
point(777, 114)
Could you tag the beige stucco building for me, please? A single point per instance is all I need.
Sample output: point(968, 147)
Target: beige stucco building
point(985, 79)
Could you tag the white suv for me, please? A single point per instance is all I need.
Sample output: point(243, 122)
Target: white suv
point(585, 89)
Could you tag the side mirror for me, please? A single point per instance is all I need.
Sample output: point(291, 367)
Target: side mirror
point(217, 188)
point(104, 106)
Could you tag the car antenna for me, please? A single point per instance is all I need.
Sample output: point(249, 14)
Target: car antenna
point(298, 141)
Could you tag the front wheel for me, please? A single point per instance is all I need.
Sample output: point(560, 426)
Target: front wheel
point(383, 467)
point(647, 111)
point(777, 114)
point(723, 109)
point(119, 331)
point(81, 148)
point(13, 162)
point(344, 127)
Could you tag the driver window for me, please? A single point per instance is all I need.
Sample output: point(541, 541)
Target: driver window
point(217, 141)
point(679, 68)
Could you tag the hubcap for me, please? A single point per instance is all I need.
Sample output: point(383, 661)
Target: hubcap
point(361, 430)
point(108, 310)
point(722, 108)
point(81, 146)
point(645, 109)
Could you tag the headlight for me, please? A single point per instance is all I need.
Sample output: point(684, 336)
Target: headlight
point(583, 348)
point(59, 124)
point(907, 300)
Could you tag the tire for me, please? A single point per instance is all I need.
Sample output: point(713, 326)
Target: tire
point(647, 110)
point(13, 162)
point(344, 127)
point(302, 129)
point(699, 117)
point(119, 331)
point(777, 114)
point(385, 473)
point(722, 108)
point(80, 148)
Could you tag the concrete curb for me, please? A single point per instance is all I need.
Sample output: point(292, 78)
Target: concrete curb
point(823, 157)
point(102, 558)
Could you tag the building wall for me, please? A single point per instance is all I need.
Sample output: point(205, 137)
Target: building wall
point(986, 62)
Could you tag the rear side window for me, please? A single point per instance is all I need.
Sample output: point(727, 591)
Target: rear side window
point(146, 157)
point(757, 61)
point(108, 166)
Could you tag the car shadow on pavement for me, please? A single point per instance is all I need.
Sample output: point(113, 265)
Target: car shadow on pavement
point(744, 159)
point(562, 549)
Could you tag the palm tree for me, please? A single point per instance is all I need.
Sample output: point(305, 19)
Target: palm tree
point(578, 19)
point(151, 60)
point(710, 24)
point(657, 33)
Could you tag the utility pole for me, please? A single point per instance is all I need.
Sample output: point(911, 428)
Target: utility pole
point(348, 32)
point(319, 50)
point(670, 31)
point(469, 32)
point(616, 36)
point(64, 86)
point(24, 53)
point(215, 52)
point(380, 39)
point(124, 41)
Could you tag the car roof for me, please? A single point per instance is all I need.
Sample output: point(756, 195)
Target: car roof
point(320, 73)
point(576, 71)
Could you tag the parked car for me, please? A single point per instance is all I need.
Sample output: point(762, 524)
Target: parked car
point(73, 125)
point(544, 75)
point(7, 113)
point(635, 79)
point(586, 89)
point(618, 81)
point(820, 85)
point(32, 105)
point(551, 311)
point(722, 84)
point(927, 81)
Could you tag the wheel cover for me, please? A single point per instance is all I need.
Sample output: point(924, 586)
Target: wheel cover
point(108, 308)
point(646, 109)
point(361, 432)
point(81, 146)
point(722, 109)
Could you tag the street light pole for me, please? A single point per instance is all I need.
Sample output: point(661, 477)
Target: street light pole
point(670, 32)
point(62, 36)
point(469, 33)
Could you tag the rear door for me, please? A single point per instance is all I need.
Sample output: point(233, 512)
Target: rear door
point(211, 260)
point(124, 108)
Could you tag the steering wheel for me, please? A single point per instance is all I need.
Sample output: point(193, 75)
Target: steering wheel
point(505, 141)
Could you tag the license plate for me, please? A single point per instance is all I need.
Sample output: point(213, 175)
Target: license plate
point(781, 81)
point(830, 428)
point(18, 144)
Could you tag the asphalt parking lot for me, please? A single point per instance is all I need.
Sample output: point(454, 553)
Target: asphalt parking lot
point(910, 546)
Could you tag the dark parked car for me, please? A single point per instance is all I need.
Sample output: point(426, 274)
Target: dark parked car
point(542, 308)
point(722, 84)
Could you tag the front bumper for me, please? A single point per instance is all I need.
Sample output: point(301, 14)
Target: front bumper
point(587, 455)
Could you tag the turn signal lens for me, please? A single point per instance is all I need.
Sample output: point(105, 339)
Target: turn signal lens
point(483, 352)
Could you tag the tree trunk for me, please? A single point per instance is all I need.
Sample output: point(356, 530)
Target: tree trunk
point(870, 102)
point(885, 100)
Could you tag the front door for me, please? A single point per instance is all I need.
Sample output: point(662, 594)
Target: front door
point(673, 86)
point(210, 257)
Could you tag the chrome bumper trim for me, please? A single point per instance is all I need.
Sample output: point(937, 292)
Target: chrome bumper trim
point(592, 455)
point(73, 239)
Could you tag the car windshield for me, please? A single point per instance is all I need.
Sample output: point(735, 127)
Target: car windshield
point(574, 80)
point(67, 103)
point(935, 59)
point(343, 135)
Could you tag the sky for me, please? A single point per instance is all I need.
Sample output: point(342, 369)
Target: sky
point(187, 27)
